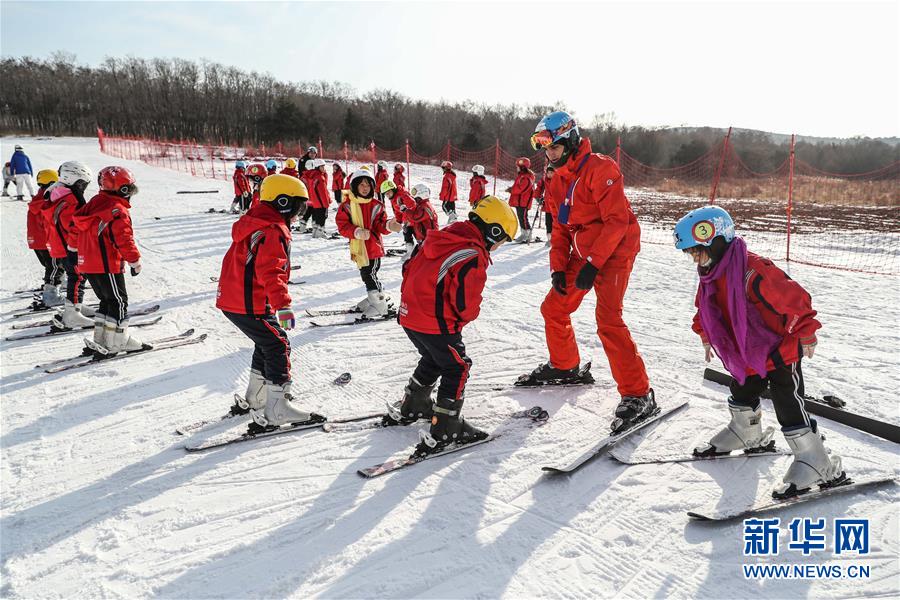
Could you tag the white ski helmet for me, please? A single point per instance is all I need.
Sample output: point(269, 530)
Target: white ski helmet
point(421, 190)
point(318, 163)
point(310, 164)
point(312, 149)
point(73, 171)
point(478, 170)
point(382, 164)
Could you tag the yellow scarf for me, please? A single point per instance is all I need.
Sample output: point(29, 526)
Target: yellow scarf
point(358, 251)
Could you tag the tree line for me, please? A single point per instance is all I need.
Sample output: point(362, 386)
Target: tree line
point(209, 102)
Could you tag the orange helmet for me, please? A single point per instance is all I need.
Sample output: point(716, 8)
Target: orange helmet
point(257, 172)
point(446, 165)
point(524, 162)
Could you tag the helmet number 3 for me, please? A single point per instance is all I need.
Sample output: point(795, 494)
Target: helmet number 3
point(703, 231)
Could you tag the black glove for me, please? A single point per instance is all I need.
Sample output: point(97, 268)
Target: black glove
point(586, 276)
point(559, 282)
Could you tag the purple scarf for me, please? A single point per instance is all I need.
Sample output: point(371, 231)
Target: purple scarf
point(749, 341)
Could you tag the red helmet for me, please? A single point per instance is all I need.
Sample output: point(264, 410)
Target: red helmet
point(524, 162)
point(446, 165)
point(398, 167)
point(257, 172)
point(117, 180)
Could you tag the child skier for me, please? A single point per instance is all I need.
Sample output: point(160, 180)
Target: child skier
point(105, 244)
point(420, 219)
point(401, 202)
point(314, 177)
point(448, 191)
point(520, 196)
point(253, 294)
point(441, 293)
point(255, 175)
point(399, 177)
point(7, 178)
point(760, 323)
point(381, 175)
point(242, 191)
point(271, 167)
point(477, 185)
point(38, 233)
point(362, 219)
point(545, 201)
point(337, 181)
point(65, 198)
point(290, 168)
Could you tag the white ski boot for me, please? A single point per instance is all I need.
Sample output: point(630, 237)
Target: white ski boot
point(99, 342)
point(378, 306)
point(812, 465)
point(255, 396)
point(743, 432)
point(280, 409)
point(409, 251)
point(362, 305)
point(451, 217)
point(319, 233)
point(71, 318)
point(50, 295)
point(119, 340)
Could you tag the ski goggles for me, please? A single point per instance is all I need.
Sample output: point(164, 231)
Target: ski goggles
point(547, 137)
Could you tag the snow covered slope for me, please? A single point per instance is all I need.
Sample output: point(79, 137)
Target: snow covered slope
point(99, 499)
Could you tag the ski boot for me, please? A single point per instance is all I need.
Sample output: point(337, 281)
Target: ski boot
point(279, 410)
point(447, 428)
point(812, 465)
point(547, 374)
point(319, 233)
point(451, 217)
point(254, 398)
point(50, 296)
point(71, 318)
point(409, 252)
point(415, 404)
point(378, 306)
point(744, 432)
point(97, 344)
point(633, 409)
point(118, 340)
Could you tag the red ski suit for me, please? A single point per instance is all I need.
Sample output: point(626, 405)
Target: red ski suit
point(374, 219)
point(291, 172)
point(257, 266)
point(58, 212)
point(602, 229)
point(105, 235)
point(448, 187)
point(399, 179)
point(380, 177)
point(37, 228)
point(318, 190)
point(543, 191)
point(444, 280)
point(337, 180)
point(522, 191)
point(477, 188)
point(401, 203)
point(785, 307)
point(421, 219)
point(241, 183)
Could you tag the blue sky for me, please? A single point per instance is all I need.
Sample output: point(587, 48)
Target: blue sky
point(814, 68)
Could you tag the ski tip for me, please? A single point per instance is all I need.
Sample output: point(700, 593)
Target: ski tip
point(698, 516)
point(189, 332)
point(202, 337)
point(553, 471)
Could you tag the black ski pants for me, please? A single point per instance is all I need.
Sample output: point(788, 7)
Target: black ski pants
point(522, 213)
point(548, 220)
point(441, 356)
point(53, 267)
point(110, 289)
point(369, 275)
point(272, 349)
point(74, 279)
point(786, 385)
point(319, 215)
point(448, 207)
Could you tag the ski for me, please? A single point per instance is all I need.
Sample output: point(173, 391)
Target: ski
point(134, 313)
point(401, 463)
point(673, 458)
point(42, 309)
point(830, 408)
point(330, 313)
point(79, 357)
point(584, 377)
point(214, 279)
point(359, 321)
point(191, 427)
point(52, 332)
point(28, 292)
point(164, 344)
point(610, 440)
point(535, 413)
point(227, 439)
point(715, 513)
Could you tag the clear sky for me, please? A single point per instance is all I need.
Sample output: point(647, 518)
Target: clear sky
point(812, 68)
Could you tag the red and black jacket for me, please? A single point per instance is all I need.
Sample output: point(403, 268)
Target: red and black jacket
point(337, 180)
point(241, 183)
point(37, 224)
point(315, 186)
point(399, 179)
point(402, 202)
point(105, 235)
point(421, 219)
point(786, 309)
point(477, 187)
point(58, 212)
point(522, 190)
point(448, 187)
point(257, 266)
point(381, 176)
point(291, 172)
point(444, 280)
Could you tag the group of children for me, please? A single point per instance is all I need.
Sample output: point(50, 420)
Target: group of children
point(79, 239)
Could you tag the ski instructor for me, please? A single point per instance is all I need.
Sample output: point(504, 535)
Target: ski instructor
point(598, 240)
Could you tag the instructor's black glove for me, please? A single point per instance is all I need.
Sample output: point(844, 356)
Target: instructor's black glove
point(559, 282)
point(586, 276)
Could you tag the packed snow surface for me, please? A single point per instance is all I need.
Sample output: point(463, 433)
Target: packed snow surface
point(100, 499)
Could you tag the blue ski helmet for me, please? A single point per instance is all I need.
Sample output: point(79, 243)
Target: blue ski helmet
point(271, 164)
point(701, 226)
point(557, 128)
point(240, 165)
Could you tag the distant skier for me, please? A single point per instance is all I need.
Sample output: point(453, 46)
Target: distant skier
point(290, 168)
point(315, 178)
point(20, 168)
point(105, 244)
point(477, 185)
point(441, 293)
point(420, 219)
point(253, 295)
point(761, 324)
point(255, 175)
point(402, 204)
point(546, 202)
point(312, 153)
point(337, 182)
point(596, 241)
point(520, 196)
point(271, 167)
point(399, 177)
point(447, 194)
point(381, 175)
point(37, 230)
point(362, 219)
point(242, 192)
point(7, 178)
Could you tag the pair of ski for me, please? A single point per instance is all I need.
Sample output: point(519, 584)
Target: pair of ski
point(186, 338)
point(215, 279)
point(54, 332)
point(36, 310)
point(390, 316)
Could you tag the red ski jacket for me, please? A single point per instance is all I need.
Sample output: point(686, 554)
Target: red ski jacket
point(257, 266)
point(448, 187)
point(58, 212)
point(402, 202)
point(318, 191)
point(421, 218)
point(522, 191)
point(241, 183)
point(444, 280)
point(786, 309)
point(601, 226)
point(291, 172)
point(381, 176)
point(37, 224)
point(542, 190)
point(400, 180)
point(337, 180)
point(254, 200)
point(477, 188)
point(105, 235)
point(374, 219)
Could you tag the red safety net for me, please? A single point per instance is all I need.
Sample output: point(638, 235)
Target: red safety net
point(795, 212)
